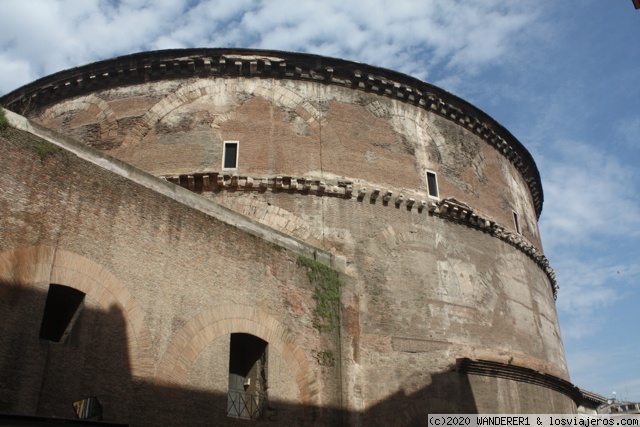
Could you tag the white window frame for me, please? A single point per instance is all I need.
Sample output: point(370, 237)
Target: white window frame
point(435, 176)
point(224, 154)
point(516, 222)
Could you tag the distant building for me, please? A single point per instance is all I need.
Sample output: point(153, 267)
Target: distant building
point(590, 402)
point(616, 407)
point(196, 236)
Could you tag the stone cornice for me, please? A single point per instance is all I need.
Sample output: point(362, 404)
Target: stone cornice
point(454, 210)
point(449, 209)
point(592, 399)
point(234, 62)
point(519, 373)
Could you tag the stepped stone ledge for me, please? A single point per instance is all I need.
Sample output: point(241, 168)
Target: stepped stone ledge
point(449, 209)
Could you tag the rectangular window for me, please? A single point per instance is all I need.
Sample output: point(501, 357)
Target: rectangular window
point(516, 222)
point(432, 184)
point(60, 312)
point(230, 155)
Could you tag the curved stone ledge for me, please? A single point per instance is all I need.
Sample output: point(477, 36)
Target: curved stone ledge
point(519, 373)
point(457, 211)
point(592, 399)
point(449, 209)
point(184, 63)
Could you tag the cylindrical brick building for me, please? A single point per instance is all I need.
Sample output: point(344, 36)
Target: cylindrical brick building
point(427, 206)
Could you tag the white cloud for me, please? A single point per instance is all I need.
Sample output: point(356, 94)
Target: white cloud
point(629, 130)
point(589, 225)
point(592, 364)
point(590, 286)
point(15, 72)
point(462, 36)
point(589, 194)
point(413, 37)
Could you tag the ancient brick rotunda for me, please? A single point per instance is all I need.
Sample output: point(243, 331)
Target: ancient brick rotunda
point(223, 236)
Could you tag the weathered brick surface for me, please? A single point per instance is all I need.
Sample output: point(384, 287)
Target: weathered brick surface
point(422, 290)
point(302, 129)
point(151, 269)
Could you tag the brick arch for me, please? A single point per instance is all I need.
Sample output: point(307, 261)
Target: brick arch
point(416, 126)
point(226, 319)
point(39, 265)
point(274, 216)
point(107, 119)
point(219, 88)
point(390, 238)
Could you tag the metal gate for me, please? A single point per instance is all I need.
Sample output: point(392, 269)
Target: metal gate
point(247, 377)
point(245, 405)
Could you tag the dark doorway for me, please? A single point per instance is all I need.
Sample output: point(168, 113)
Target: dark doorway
point(60, 310)
point(247, 377)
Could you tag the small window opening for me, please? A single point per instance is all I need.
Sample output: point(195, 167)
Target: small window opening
point(516, 222)
point(60, 312)
point(230, 155)
point(247, 377)
point(432, 184)
point(88, 408)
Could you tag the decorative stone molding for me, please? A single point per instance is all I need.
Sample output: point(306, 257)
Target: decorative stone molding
point(249, 63)
point(518, 373)
point(591, 399)
point(216, 181)
point(449, 209)
point(462, 213)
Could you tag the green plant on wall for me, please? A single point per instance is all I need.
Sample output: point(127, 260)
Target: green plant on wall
point(45, 149)
point(326, 294)
point(4, 122)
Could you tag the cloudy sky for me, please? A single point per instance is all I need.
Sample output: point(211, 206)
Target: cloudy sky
point(562, 76)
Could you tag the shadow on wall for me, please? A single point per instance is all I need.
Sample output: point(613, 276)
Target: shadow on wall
point(57, 348)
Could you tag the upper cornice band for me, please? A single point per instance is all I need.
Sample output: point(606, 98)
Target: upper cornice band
point(184, 63)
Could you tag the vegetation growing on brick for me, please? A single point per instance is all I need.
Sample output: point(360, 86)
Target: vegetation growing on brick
point(4, 122)
point(326, 294)
point(45, 149)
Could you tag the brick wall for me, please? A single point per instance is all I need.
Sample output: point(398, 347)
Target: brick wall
point(297, 129)
point(422, 290)
point(156, 273)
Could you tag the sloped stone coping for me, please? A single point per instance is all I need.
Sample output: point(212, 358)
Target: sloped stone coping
point(177, 194)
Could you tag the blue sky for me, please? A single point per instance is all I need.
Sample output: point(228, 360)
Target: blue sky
point(561, 75)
